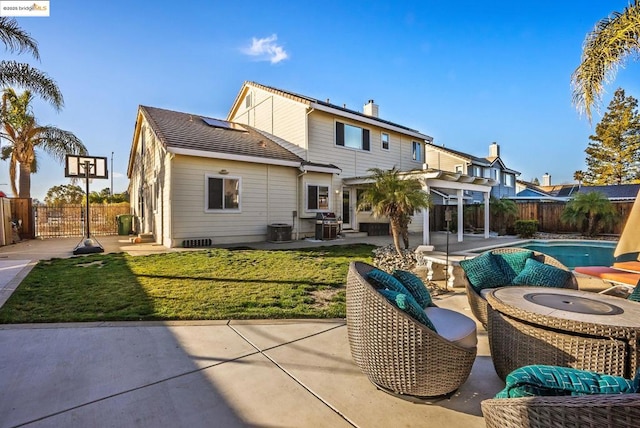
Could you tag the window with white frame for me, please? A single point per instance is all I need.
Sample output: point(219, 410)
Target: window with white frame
point(459, 169)
point(385, 141)
point(365, 207)
point(476, 171)
point(247, 101)
point(222, 193)
point(352, 137)
point(417, 152)
point(317, 198)
point(508, 180)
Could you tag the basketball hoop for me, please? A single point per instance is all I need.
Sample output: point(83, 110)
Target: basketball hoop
point(79, 166)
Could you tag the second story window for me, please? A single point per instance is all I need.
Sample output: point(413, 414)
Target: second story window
point(385, 141)
point(459, 169)
point(508, 180)
point(353, 137)
point(416, 152)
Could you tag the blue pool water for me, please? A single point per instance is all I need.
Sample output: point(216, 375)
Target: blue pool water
point(575, 253)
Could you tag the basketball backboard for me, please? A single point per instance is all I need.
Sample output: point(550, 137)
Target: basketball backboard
point(76, 166)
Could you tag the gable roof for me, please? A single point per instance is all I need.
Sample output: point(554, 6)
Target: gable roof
point(615, 192)
point(619, 192)
point(328, 107)
point(194, 135)
point(487, 162)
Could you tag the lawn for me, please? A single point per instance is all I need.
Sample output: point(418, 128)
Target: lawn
point(203, 285)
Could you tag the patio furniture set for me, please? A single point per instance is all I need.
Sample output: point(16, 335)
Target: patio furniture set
point(532, 324)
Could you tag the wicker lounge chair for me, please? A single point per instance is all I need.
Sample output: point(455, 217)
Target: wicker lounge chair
point(478, 303)
point(397, 353)
point(602, 411)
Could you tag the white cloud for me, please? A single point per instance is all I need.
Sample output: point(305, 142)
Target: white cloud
point(266, 49)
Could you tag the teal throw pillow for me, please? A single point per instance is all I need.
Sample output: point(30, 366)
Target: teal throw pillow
point(483, 272)
point(536, 273)
point(409, 305)
point(541, 380)
point(415, 286)
point(382, 279)
point(635, 294)
point(513, 263)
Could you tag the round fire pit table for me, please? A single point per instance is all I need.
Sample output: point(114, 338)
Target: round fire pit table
point(572, 328)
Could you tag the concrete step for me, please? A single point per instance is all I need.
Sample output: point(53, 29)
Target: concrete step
point(143, 238)
point(353, 234)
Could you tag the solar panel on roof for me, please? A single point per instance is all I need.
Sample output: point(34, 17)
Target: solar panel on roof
point(216, 123)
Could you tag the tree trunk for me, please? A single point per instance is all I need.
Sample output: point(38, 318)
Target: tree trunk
point(24, 181)
point(395, 232)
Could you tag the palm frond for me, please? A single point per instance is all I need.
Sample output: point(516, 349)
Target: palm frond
point(16, 39)
point(58, 142)
point(605, 49)
point(13, 73)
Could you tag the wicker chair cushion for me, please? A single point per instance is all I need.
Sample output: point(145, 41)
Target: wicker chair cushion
point(408, 304)
point(635, 294)
point(381, 279)
point(484, 272)
point(454, 326)
point(415, 286)
point(512, 264)
point(541, 274)
point(543, 380)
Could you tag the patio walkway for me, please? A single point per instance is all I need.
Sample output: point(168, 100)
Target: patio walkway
point(296, 373)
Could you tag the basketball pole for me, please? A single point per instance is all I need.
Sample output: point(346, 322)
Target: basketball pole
point(87, 166)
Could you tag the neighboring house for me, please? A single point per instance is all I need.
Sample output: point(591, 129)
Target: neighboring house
point(563, 192)
point(491, 167)
point(278, 158)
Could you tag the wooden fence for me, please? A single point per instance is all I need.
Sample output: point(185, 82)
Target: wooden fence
point(50, 221)
point(548, 215)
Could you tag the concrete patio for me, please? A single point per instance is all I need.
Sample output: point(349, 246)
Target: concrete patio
point(296, 373)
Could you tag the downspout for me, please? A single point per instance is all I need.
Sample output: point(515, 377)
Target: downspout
point(298, 201)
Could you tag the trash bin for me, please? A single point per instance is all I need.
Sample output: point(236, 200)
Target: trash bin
point(279, 232)
point(124, 224)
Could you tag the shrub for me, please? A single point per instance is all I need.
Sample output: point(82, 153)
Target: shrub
point(526, 228)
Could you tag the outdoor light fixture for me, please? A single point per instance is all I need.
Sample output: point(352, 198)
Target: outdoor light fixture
point(223, 172)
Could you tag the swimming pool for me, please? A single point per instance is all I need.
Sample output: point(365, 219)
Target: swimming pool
point(574, 253)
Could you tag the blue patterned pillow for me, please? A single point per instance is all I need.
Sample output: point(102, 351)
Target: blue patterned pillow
point(513, 263)
point(409, 305)
point(635, 294)
point(484, 272)
point(382, 279)
point(540, 380)
point(536, 273)
point(415, 286)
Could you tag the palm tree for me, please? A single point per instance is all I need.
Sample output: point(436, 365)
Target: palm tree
point(397, 197)
point(589, 211)
point(503, 210)
point(25, 135)
point(612, 41)
point(13, 73)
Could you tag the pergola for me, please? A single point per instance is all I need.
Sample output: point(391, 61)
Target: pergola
point(445, 182)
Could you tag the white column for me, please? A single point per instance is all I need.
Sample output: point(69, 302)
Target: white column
point(425, 221)
point(460, 193)
point(486, 215)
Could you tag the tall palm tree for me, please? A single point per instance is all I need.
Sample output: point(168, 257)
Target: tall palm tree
point(589, 211)
point(13, 73)
point(25, 135)
point(613, 40)
point(396, 197)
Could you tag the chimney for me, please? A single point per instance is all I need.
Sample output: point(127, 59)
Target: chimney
point(546, 179)
point(494, 150)
point(371, 109)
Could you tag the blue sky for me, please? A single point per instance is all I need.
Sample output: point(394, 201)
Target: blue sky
point(466, 73)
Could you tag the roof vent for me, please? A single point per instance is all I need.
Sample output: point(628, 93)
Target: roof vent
point(371, 109)
point(262, 144)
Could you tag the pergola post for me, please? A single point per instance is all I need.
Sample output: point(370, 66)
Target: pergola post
point(486, 214)
point(460, 193)
point(426, 236)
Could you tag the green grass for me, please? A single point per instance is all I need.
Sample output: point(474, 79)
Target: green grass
point(208, 284)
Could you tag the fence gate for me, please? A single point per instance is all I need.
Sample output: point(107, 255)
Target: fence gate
point(53, 221)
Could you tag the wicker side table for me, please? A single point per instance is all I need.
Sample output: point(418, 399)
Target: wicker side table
point(530, 325)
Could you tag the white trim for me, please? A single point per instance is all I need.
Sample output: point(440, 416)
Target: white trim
point(319, 168)
point(228, 156)
point(306, 197)
point(208, 210)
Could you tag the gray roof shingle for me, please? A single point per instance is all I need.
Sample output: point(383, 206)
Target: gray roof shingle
point(190, 132)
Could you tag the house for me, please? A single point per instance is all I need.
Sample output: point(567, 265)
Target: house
point(492, 166)
point(278, 158)
point(545, 191)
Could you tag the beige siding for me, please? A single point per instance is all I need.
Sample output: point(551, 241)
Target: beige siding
point(443, 161)
point(276, 115)
point(267, 195)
